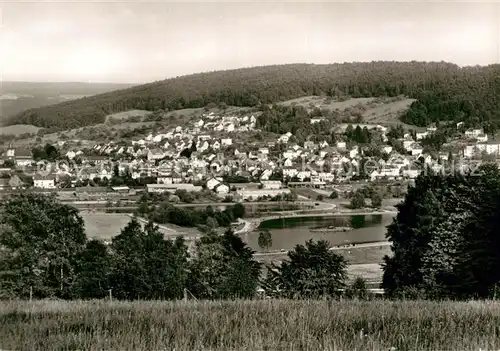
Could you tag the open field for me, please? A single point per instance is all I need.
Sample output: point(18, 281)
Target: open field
point(101, 225)
point(311, 102)
point(384, 111)
point(104, 225)
point(370, 272)
point(128, 114)
point(387, 113)
point(19, 129)
point(250, 325)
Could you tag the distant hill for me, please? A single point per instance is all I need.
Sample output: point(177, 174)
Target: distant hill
point(16, 97)
point(444, 91)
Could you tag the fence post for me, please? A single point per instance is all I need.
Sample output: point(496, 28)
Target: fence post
point(110, 295)
point(31, 293)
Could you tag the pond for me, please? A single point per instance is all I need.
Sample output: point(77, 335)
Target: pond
point(288, 232)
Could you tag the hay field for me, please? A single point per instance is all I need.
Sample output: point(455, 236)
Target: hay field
point(250, 325)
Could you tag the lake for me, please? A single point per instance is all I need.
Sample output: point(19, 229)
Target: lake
point(288, 232)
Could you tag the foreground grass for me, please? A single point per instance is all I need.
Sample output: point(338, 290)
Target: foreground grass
point(249, 325)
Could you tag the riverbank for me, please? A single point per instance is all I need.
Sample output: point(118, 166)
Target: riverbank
point(250, 325)
point(254, 223)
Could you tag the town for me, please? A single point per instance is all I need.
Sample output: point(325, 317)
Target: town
point(209, 153)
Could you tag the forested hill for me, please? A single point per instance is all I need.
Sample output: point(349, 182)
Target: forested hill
point(444, 91)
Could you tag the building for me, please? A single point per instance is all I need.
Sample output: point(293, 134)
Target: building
point(222, 189)
point(421, 135)
point(271, 184)
point(254, 194)
point(23, 157)
point(44, 181)
point(161, 188)
point(155, 154)
point(317, 119)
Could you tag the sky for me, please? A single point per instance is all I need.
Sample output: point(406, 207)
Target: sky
point(138, 41)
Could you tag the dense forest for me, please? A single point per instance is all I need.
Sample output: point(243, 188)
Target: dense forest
point(444, 91)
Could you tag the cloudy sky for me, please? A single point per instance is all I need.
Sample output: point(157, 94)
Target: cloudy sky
point(136, 42)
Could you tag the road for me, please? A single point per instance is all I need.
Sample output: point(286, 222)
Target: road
point(341, 247)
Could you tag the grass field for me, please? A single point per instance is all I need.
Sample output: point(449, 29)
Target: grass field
point(107, 225)
point(250, 325)
point(104, 225)
point(128, 114)
point(19, 129)
point(385, 111)
point(311, 102)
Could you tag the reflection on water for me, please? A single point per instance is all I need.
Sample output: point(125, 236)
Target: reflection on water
point(288, 232)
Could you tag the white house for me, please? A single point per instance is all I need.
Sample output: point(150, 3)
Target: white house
point(416, 149)
point(285, 137)
point(44, 181)
point(155, 154)
point(212, 183)
point(271, 184)
point(482, 138)
point(317, 119)
point(222, 189)
point(493, 148)
point(341, 145)
point(422, 135)
point(264, 150)
point(474, 133)
point(387, 149)
point(230, 128)
point(70, 155)
point(226, 141)
point(469, 150)
point(354, 152)
point(411, 173)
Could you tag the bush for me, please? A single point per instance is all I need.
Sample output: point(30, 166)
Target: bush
point(358, 200)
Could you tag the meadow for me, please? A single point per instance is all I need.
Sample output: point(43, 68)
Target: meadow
point(250, 325)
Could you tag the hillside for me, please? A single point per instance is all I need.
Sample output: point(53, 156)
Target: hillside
point(444, 91)
point(16, 97)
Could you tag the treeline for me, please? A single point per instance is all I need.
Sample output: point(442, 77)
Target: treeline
point(445, 238)
point(45, 254)
point(444, 91)
point(166, 212)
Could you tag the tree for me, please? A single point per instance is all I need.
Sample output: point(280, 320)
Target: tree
point(51, 152)
point(147, 266)
point(223, 267)
point(358, 200)
point(444, 240)
point(357, 289)
point(320, 197)
point(265, 239)
point(238, 210)
point(334, 195)
point(311, 271)
point(41, 239)
point(376, 199)
point(93, 272)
